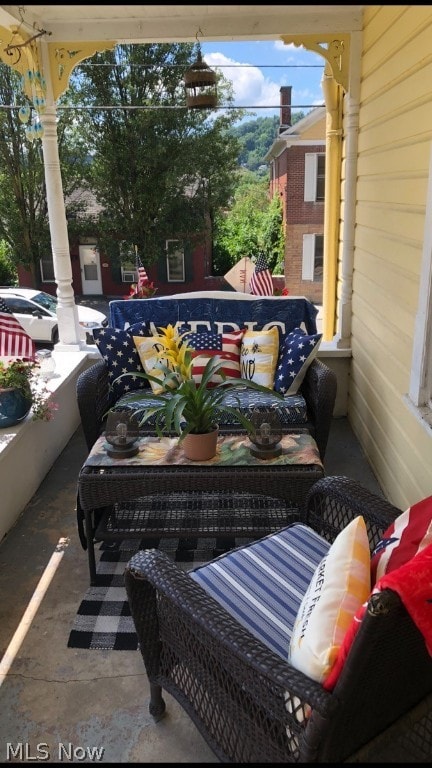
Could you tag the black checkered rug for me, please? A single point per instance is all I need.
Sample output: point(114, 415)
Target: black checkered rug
point(103, 620)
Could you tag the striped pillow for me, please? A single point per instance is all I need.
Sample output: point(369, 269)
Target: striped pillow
point(339, 586)
point(223, 345)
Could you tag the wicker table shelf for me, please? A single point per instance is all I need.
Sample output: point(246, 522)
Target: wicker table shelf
point(119, 499)
point(195, 513)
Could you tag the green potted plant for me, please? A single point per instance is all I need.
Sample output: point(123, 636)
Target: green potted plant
point(187, 407)
point(20, 391)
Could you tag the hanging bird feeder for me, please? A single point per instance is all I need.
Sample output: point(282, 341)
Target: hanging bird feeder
point(200, 85)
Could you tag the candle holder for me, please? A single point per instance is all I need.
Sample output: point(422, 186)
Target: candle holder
point(266, 435)
point(47, 364)
point(121, 434)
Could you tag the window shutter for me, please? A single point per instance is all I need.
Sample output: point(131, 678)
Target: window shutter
point(310, 177)
point(308, 257)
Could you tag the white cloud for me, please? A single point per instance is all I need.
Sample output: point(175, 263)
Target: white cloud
point(251, 88)
point(254, 88)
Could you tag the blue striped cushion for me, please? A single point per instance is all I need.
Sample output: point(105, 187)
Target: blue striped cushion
point(263, 583)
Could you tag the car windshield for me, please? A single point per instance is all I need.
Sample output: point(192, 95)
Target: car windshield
point(46, 301)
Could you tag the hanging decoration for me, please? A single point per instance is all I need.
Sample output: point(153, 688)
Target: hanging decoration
point(200, 84)
point(33, 82)
point(23, 57)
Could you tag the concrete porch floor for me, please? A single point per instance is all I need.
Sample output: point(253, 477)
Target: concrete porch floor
point(58, 704)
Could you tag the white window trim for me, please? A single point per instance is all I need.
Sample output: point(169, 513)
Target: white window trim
point(129, 275)
point(311, 177)
point(308, 258)
point(168, 246)
point(420, 390)
point(43, 278)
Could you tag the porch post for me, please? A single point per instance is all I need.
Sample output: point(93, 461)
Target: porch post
point(66, 309)
point(351, 129)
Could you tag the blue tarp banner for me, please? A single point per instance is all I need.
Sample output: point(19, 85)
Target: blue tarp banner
point(217, 314)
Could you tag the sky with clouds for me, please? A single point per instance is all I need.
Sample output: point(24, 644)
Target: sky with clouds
point(271, 64)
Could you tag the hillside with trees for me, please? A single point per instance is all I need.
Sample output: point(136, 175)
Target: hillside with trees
point(255, 138)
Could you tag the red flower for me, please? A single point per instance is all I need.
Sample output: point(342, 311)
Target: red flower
point(145, 292)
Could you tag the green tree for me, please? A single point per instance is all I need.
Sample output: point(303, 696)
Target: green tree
point(273, 236)
point(158, 169)
point(8, 273)
point(23, 210)
point(24, 225)
point(253, 224)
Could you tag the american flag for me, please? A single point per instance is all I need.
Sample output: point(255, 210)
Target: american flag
point(14, 341)
point(261, 283)
point(206, 345)
point(143, 278)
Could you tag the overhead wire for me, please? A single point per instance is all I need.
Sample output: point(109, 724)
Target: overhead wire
point(180, 106)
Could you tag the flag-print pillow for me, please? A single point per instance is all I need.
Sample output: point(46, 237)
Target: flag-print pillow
point(120, 354)
point(412, 583)
point(404, 538)
point(295, 356)
point(224, 345)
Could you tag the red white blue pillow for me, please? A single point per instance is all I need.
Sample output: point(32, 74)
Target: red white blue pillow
point(413, 584)
point(142, 328)
point(121, 356)
point(405, 549)
point(404, 538)
point(296, 353)
point(206, 345)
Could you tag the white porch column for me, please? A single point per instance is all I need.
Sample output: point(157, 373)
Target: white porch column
point(351, 128)
point(66, 309)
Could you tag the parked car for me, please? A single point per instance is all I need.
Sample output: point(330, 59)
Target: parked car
point(37, 313)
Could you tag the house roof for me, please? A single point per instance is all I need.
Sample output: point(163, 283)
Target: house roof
point(294, 134)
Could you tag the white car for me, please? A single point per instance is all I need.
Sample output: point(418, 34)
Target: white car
point(36, 312)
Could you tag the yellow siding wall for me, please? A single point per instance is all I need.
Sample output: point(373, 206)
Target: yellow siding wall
point(317, 131)
point(395, 133)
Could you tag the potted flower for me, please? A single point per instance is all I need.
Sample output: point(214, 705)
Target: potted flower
point(21, 391)
point(146, 291)
point(189, 408)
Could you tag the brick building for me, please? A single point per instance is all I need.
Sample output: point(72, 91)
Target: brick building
point(297, 175)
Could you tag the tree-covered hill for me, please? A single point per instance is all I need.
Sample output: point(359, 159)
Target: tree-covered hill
point(256, 138)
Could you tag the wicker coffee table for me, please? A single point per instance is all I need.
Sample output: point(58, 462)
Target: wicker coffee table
point(159, 493)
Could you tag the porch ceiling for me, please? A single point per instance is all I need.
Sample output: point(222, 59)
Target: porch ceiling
point(180, 23)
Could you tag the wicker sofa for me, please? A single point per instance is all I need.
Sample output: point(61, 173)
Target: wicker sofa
point(218, 312)
point(249, 703)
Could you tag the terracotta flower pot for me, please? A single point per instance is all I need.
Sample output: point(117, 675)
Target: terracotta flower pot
point(200, 447)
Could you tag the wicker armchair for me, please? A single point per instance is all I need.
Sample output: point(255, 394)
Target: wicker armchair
point(248, 703)
point(318, 389)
